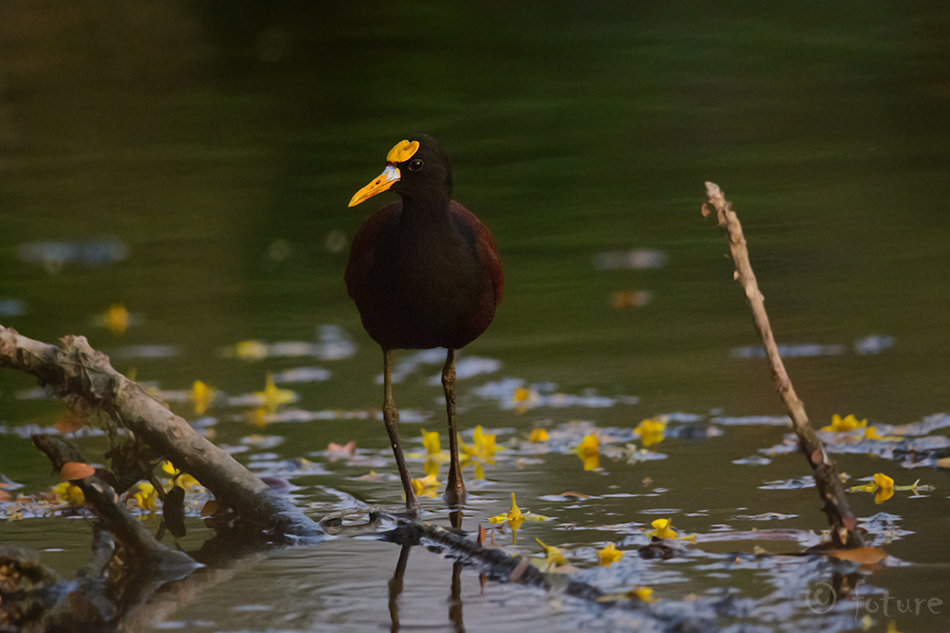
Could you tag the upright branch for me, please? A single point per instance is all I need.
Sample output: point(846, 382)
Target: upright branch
point(830, 489)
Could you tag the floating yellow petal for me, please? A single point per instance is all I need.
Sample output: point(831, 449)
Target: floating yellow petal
point(662, 529)
point(538, 435)
point(250, 350)
point(430, 442)
point(553, 557)
point(588, 451)
point(67, 492)
point(650, 431)
point(146, 496)
point(428, 486)
point(515, 516)
point(849, 423)
point(184, 480)
point(644, 594)
point(608, 555)
point(202, 395)
point(116, 319)
point(273, 396)
point(882, 487)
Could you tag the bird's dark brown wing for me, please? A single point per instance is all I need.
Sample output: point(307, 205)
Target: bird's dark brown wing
point(485, 247)
point(363, 249)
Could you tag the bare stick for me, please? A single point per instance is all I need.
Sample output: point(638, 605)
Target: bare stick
point(830, 490)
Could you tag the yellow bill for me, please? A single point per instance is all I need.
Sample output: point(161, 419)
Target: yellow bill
point(402, 152)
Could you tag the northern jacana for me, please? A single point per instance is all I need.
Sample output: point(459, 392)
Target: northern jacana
point(424, 272)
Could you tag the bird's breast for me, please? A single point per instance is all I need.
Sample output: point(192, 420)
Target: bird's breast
point(426, 284)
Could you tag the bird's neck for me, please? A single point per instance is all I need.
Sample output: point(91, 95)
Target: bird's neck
point(425, 207)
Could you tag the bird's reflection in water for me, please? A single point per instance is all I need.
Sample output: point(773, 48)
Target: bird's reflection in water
point(455, 598)
point(396, 586)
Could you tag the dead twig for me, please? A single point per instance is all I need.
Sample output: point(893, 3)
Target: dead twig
point(830, 489)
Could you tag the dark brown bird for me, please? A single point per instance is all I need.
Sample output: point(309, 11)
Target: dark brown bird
point(424, 272)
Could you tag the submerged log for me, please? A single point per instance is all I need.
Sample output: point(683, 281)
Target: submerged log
point(75, 371)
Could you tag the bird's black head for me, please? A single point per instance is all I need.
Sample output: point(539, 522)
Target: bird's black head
point(417, 169)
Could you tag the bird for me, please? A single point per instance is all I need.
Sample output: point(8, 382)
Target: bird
point(424, 273)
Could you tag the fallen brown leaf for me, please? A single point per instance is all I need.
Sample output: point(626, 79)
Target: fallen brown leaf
point(70, 423)
point(576, 495)
point(349, 448)
point(860, 555)
point(71, 471)
point(210, 508)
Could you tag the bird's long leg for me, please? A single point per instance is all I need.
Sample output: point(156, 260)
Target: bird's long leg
point(391, 418)
point(455, 489)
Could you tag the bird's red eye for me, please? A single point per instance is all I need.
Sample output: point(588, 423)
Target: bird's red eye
point(416, 165)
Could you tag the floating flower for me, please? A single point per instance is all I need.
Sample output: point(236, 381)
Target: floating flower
point(179, 478)
point(482, 450)
point(643, 594)
point(257, 417)
point(116, 319)
point(883, 487)
point(553, 557)
point(70, 493)
point(430, 442)
point(146, 496)
point(849, 423)
point(202, 395)
point(428, 486)
point(523, 399)
point(434, 452)
point(650, 431)
point(538, 435)
point(515, 516)
point(608, 555)
point(662, 529)
point(482, 447)
point(273, 396)
point(588, 451)
point(250, 350)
